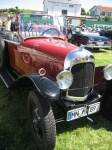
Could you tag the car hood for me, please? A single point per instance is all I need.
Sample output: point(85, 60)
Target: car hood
point(55, 47)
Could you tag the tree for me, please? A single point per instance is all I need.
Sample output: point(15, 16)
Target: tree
point(11, 10)
point(99, 19)
point(107, 18)
point(17, 9)
point(5, 10)
point(88, 13)
point(83, 12)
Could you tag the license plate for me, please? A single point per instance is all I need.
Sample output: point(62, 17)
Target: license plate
point(100, 43)
point(82, 111)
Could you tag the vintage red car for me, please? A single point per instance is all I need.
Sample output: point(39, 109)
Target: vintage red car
point(64, 83)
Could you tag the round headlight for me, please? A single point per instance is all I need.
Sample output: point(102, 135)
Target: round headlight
point(64, 79)
point(108, 72)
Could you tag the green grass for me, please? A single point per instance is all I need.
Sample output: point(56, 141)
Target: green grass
point(80, 134)
point(27, 10)
point(20, 10)
point(103, 57)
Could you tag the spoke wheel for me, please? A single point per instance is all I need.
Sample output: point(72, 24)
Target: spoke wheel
point(36, 120)
point(41, 121)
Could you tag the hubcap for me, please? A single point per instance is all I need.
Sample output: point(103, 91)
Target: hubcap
point(36, 120)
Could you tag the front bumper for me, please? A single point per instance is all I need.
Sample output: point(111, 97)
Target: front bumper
point(73, 110)
point(98, 46)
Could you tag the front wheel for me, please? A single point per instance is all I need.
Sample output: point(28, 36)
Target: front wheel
point(41, 120)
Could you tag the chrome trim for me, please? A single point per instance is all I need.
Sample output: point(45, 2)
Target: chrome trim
point(64, 83)
point(77, 56)
point(93, 46)
point(77, 98)
point(80, 55)
point(108, 72)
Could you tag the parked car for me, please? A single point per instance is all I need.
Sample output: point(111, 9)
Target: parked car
point(107, 33)
point(89, 39)
point(64, 83)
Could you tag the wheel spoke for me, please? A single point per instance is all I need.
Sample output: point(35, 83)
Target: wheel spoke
point(37, 123)
point(42, 122)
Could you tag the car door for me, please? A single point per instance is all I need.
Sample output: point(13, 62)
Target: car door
point(82, 40)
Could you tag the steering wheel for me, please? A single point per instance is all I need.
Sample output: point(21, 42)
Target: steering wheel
point(56, 32)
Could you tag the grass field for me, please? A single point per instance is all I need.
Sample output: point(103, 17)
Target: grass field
point(80, 134)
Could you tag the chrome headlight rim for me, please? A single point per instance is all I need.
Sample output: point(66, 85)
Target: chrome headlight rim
point(108, 72)
point(64, 79)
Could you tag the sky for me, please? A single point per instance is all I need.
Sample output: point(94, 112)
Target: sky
point(38, 4)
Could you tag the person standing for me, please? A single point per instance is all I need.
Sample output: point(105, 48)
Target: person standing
point(8, 23)
point(0, 23)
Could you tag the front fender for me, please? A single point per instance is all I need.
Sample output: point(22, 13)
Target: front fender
point(108, 90)
point(47, 87)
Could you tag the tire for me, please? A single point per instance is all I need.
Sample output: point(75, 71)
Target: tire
point(4, 60)
point(9, 36)
point(41, 120)
point(107, 107)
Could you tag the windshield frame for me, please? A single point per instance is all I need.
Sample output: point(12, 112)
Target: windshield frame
point(58, 22)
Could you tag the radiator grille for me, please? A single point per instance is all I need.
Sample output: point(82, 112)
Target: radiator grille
point(82, 77)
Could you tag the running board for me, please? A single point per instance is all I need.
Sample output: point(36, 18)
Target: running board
point(7, 77)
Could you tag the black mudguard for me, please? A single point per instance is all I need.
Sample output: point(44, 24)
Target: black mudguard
point(108, 90)
point(47, 87)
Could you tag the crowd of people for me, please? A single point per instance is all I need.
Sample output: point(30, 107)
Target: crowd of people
point(95, 28)
point(31, 26)
point(9, 24)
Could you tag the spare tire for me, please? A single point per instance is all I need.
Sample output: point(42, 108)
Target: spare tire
point(4, 60)
point(9, 36)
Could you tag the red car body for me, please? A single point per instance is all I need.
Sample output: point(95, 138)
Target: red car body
point(33, 51)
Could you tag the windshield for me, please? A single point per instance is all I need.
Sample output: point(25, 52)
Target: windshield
point(41, 25)
point(77, 29)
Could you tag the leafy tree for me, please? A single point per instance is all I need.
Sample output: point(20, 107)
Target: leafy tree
point(16, 8)
point(5, 10)
point(83, 12)
point(99, 19)
point(88, 13)
point(107, 18)
point(11, 10)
